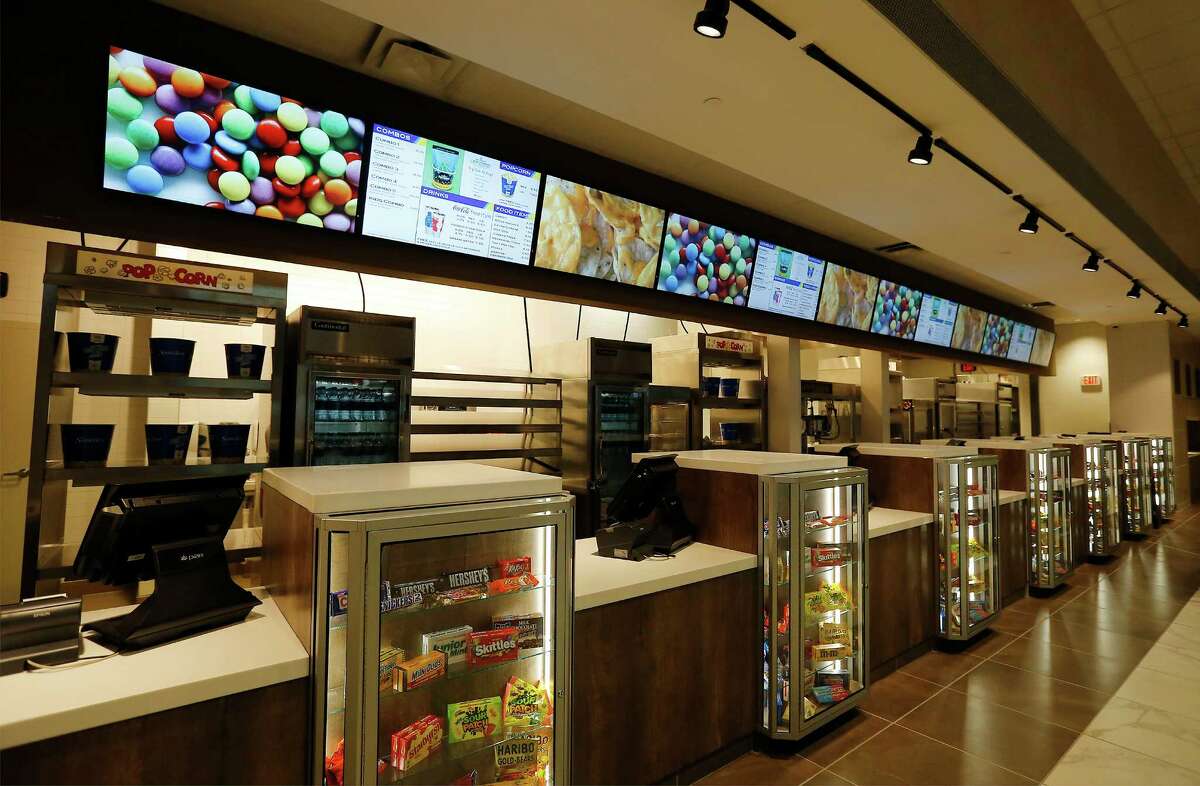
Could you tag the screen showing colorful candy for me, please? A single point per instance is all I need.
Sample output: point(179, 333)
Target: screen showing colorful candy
point(896, 310)
point(706, 260)
point(846, 297)
point(997, 336)
point(176, 133)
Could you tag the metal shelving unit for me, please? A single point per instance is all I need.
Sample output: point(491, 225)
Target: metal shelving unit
point(968, 573)
point(1050, 539)
point(135, 286)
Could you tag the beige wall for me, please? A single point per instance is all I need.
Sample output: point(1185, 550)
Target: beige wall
point(1079, 349)
point(1139, 362)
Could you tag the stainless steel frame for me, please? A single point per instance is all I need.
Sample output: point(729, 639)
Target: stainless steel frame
point(1051, 539)
point(367, 534)
point(947, 493)
point(1137, 503)
point(1162, 458)
point(307, 415)
point(1103, 493)
point(769, 554)
point(930, 415)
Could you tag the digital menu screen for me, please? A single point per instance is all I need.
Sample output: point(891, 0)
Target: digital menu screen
point(847, 297)
point(433, 194)
point(1043, 346)
point(786, 281)
point(896, 310)
point(1021, 345)
point(997, 335)
point(968, 329)
point(706, 260)
point(935, 323)
point(175, 133)
point(597, 234)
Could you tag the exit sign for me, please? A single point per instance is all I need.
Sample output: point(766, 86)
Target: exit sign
point(1089, 381)
point(967, 368)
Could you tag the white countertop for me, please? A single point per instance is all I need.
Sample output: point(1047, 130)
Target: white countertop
point(1008, 497)
point(358, 487)
point(602, 580)
point(258, 652)
point(885, 521)
point(749, 462)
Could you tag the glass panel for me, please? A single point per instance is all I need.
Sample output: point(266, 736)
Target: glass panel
point(356, 420)
point(669, 426)
point(621, 432)
point(833, 618)
point(1111, 464)
point(1049, 519)
point(777, 617)
point(466, 661)
point(335, 648)
point(967, 586)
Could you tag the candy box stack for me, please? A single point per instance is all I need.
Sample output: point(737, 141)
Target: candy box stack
point(416, 741)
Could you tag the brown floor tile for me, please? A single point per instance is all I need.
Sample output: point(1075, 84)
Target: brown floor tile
point(986, 644)
point(1106, 597)
point(840, 736)
point(1089, 638)
point(1135, 587)
point(758, 769)
point(1016, 622)
point(1122, 622)
point(1037, 695)
point(827, 778)
point(896, 694)
point(902, 756)
point(1041, 605)
point(941, 667)
point(1187, 538)
point(990, 731)
point(1097, 672)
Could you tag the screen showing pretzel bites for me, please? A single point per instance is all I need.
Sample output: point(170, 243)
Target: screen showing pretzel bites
point(968, 330)
point(896, 310)
point(786, 281)
point(847, 297)
point(176, 133)
point(441, 196)
point(1043, 346)
point(1021, 345)
point(997, 336)
point(935, 324)
point(597, 234)
point(706, 260)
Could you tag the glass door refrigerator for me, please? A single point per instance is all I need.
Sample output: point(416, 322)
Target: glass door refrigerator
point(813, 565)
point(968, 576)
point(1137, 502)
point(1051, 546)
point(350, 387)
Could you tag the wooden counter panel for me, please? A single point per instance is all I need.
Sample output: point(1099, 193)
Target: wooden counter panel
point(901, 482)
point(1014, 550)
point(902, 611)
point(259, 736)
point(1079, 525)
point(1012, 471)
point(663, 681)
point(723, 506)
point(288, 560)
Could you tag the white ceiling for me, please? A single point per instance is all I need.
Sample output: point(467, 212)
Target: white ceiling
point(629, 79)
point(1154, 47)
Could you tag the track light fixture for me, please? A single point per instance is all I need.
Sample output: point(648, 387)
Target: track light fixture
point(922, 152)
point(1183, 321)
point(1161, 308)
point(1093, 263)
point(1135, 291)
point(1030, 225)
point(713, 19)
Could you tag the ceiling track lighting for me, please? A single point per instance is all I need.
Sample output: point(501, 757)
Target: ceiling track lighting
point(1161, 308)
point(1093, 263)
point(1135, 291)
point(922, 152)
point(1030, 225)
point(712, 20)
point(1183, 322)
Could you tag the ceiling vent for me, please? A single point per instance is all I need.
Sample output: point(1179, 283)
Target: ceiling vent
point(1040, 304)
point(410, 63)
point(896, 248)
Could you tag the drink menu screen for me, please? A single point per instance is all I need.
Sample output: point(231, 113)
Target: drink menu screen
point(786, 281)
point(433, 194)
point(935, 324)
point(1043, 346)
point(1021, 345)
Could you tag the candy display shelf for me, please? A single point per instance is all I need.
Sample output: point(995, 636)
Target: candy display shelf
point(450, 754)
point(543, 584)
point(966, 562)
point(1050, 535)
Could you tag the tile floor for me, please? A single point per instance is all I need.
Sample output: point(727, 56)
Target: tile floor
point(1097, 685)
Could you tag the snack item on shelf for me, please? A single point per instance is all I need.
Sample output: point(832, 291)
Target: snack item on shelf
point(840, 679)
point(814, 603)
point(829, 651)
point(524, 781)
point(466, 779)
point(531, 628)
point(416, 741)
point(512, 584)
point(814, 520)
point(488, 647)
point(452, 641)
point(415, 672)
point(810, 709)
point(836, 597)
point(828, 555)
point(388, 660)
point(339, 602)
point(829, 694)
point(470, 720)
point(463, 595)
point(408, 595)
point(472, 577)
point(423, 586)
point(525, 703)
point(335, 765)
point(784, 624)
point(518, 752)
point(515, 566)
point(833, 633)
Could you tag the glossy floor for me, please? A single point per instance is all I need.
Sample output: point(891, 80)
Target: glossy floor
point(1098, 684)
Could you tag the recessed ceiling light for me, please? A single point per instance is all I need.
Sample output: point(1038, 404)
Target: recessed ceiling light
point(712, 20)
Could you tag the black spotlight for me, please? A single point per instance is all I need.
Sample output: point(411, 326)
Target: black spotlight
point(1135, 291)
point(1029, 226)
point(1093, 263)
point(712, 20)
point(1161, 308)
point(922, 152)
point(1183, 321)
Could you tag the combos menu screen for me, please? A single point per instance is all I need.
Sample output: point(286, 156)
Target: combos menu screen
point(786, 281)
point(935, 324)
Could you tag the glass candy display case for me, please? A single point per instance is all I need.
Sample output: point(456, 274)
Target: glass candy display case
point(1098, 463)
point(1162, 477)
point(1050, 538)
point(968, 578)
point(813, 558)
point(1137, 503)
point(443, 654)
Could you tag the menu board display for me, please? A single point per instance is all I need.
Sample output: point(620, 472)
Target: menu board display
point(896, 310)
point(175, 133)
point(1021, 345)
point(968, 329)
point(997, 336)
point(425, 192)
point(706, 260)
point(786, 281)
point(597, 234)
point(1043, 346)
point(847, 297)
point(935, 324)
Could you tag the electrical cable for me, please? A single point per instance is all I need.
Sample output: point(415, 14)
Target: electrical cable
point(123, 242)
point(82, 238)
point(578, 321)
point(364, 292)
point(528, 344)
point(685, 330)
point(625, 335)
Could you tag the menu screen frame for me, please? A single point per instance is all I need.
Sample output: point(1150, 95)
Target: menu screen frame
point(774, 289)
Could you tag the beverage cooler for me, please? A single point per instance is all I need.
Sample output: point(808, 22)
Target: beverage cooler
point(813, 566)
point(927, 408)
point(976, 410)
point(350, 386)
point(1051, 545)
point(968, 574)
point(1137, 500)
